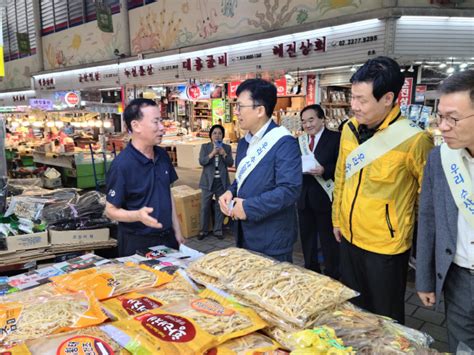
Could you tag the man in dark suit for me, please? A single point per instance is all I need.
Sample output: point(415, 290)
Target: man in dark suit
point(314, 206)
point(445, 246)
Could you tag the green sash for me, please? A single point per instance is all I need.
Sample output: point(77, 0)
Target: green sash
point(459, 180)
point(379, 144)
point(327, 185)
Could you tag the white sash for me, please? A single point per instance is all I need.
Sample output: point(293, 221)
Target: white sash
point(257, 152)
point(327, 185)
point(459, 180)
point(380, 144)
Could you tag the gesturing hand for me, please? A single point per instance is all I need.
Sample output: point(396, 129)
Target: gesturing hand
point(146, 219)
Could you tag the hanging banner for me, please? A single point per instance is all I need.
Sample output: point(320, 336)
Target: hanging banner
point(404, 98)
point(311, 90)
point(233, 85)
point(2, 64)
point(104, 18)
point(420, 92)
point(23, 43)
point(193, 91)
point(218, 111)
point(281, 86)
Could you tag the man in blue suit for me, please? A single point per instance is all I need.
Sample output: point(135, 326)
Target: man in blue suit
point(268, 181)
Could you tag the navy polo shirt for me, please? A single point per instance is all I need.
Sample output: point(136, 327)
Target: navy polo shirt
point(135, 181)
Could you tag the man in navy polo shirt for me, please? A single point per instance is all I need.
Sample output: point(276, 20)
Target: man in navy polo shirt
point(138, 184)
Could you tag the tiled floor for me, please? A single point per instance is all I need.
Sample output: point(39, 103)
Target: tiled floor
point(417, 316)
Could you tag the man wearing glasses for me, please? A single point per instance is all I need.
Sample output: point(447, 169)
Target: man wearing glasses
point(268, 181)
point(445, 250)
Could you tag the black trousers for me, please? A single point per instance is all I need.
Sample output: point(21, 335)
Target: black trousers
point(380, 279)
point(128, 243)
point(313, 224)
point(217, 189)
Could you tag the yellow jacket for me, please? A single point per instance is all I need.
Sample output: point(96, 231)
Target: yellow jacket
point(375, 208)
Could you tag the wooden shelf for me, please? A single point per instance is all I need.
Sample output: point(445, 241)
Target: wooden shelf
point(202, 116)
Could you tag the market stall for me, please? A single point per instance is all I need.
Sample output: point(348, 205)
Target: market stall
point(165, 301)
point(38, 224)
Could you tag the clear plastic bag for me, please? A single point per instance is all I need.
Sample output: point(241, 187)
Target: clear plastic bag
point(291, 292)
point(91, 204)
point(228, 262)
point(34, 319)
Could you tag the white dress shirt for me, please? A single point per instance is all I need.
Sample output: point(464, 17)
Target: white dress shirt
point(253, 139)
point(464, 255)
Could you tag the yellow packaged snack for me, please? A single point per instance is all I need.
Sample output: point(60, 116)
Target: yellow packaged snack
point(138, 302)
point(89, 341)
point(218, 315)
point(320, 340)
point(130, 304)
point(115, 279)
point(181, 282)
point(246, 345)
point(48, 315)
point(160, 333)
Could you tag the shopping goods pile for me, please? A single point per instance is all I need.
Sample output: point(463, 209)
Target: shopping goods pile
point(148, 304)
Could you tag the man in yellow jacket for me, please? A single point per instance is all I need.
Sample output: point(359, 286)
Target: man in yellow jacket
point(378, 177)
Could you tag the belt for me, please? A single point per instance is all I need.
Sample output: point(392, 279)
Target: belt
point(465, 269)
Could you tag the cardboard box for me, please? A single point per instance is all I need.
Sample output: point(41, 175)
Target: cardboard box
point(52, 183)
point(79, 236)
point(187, 154)
point(188, 208)
point(24, 242)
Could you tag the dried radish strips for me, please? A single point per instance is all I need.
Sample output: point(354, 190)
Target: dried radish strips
point(291, 292)
point(228, 262)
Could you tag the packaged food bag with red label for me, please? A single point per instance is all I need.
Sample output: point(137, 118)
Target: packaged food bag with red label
point(187, 327)
point(88, 341)
point(130, 304)
point(113, 279)
point(160, 333)
point(20, 321)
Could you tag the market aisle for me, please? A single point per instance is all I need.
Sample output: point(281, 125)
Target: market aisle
point(417, 317)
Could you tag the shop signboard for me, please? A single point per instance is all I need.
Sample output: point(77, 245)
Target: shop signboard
point(404, 98)
point(311, 90)
point(71, 98)
point(63, 99)
point(41, 104)
point(420, 92)
point(233, 85)
point(281, 86)
point(218, 111)
point(194, 92)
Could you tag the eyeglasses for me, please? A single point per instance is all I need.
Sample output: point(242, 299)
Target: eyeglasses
point(450, 121)
point(238, 106)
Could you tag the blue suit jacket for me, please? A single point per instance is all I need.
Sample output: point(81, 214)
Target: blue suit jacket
point(270, 192)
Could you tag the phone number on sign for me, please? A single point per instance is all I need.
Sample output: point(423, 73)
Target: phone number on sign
point(351, 41)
